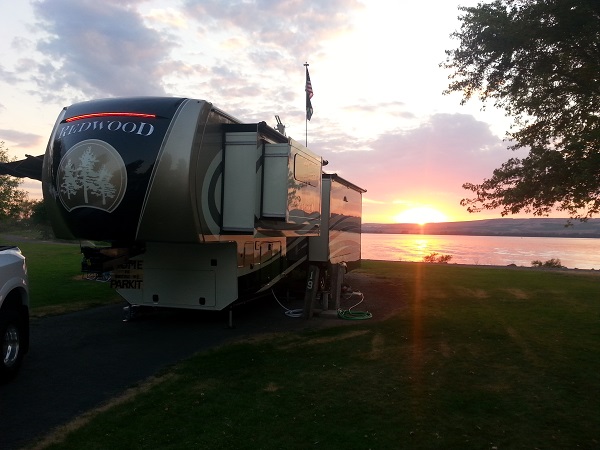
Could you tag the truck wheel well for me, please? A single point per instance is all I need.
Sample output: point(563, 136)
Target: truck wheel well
point(15, 299)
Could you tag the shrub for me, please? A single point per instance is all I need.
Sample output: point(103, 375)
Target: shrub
point(553, 263)
point(435, 257)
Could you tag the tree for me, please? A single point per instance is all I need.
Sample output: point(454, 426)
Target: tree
point(539, 60)
point(39, 213)
point(14, 203)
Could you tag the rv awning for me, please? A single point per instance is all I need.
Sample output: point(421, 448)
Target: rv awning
point(31, 167)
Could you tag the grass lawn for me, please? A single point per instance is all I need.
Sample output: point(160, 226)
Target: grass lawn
point(56, 284)
point(475, 358)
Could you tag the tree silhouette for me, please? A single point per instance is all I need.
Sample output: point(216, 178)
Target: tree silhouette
point(539, 61)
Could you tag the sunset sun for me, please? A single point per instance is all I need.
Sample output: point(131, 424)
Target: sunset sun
point(421, 215)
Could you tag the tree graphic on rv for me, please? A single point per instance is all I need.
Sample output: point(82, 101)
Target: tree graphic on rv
point(70, 184)
point(86, 177)
point(86, 170)
point(103, 187)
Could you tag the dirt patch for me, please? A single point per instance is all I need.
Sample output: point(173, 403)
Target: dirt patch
point(377, 345)
point(326, 340)
point(522, 343)
point(445, 349)
point(271, 387)
point(519, 294)
point(480, 294)
point(381, 297)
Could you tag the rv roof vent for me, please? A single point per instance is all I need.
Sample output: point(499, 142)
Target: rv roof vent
point(280, 126)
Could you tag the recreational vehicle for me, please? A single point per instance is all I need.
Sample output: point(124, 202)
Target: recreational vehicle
point(189, 207)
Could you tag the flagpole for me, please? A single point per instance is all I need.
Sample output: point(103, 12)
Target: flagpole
point(305, 115)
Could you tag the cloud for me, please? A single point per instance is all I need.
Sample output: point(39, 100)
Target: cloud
point(294, 27)
point(168, 17)
point(240, 59)
point(98, 49)
point(8, 76)
point(396, 109)
point(243, 49)
point(20, 139)
point(456, 142)
point(430, 161)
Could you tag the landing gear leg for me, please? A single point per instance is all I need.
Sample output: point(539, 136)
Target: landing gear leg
point(230, 319)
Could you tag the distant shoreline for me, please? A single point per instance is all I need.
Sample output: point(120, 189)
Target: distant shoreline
point(495, 266)
point(552, 235)
point(539, 227)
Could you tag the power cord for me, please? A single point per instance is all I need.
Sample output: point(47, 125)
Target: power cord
point(346, 314)
point(288, 312)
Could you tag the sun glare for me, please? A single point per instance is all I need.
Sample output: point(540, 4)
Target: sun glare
point(421, 215)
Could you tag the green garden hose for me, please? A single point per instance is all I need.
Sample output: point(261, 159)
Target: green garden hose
point(354, 315)
point(348, 314)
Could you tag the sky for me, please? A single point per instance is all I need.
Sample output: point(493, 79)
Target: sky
point(380, 117)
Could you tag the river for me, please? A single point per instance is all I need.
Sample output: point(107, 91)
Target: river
point(581, 253)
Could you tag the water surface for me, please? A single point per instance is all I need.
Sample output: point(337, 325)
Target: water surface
point(581, 253)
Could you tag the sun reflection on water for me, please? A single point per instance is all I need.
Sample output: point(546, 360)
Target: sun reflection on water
point(414, 248)
point(421, 246)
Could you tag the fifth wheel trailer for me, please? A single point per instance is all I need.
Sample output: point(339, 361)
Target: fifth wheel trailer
point(197, 209)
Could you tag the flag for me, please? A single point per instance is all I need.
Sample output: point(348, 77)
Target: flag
point(309, 94)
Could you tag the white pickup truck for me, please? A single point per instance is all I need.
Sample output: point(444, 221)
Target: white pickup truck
point(14, 311)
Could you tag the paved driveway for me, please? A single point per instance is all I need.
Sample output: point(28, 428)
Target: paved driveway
point(80, 360)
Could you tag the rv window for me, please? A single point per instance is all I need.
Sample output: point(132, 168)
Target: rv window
point(306, 171)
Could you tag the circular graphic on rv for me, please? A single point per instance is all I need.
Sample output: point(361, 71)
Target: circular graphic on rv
point(91, 174)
